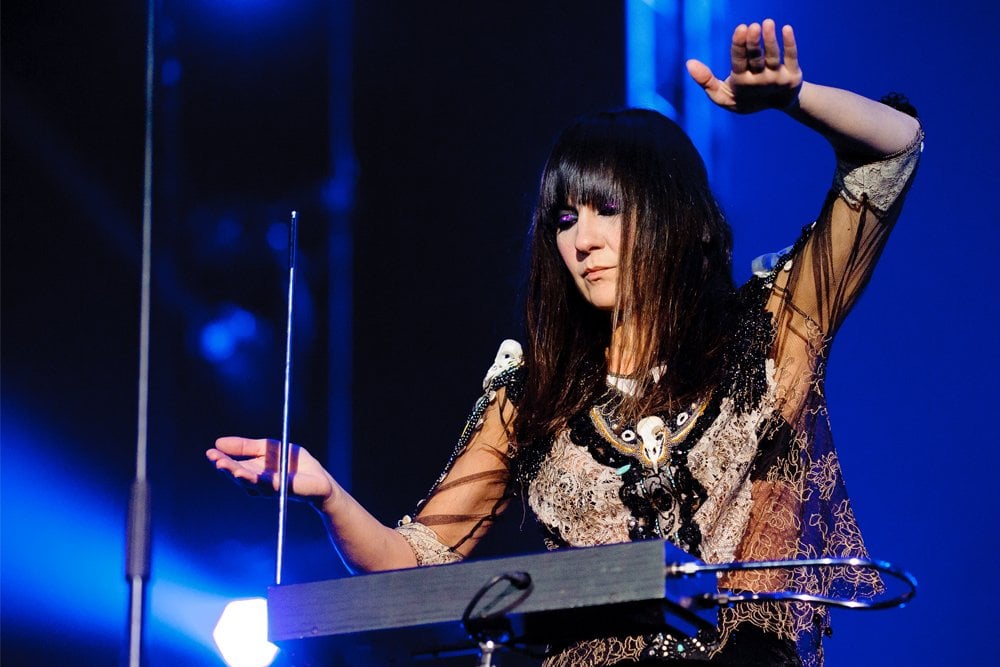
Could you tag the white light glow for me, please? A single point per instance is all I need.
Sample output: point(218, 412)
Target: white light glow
point(241, 634)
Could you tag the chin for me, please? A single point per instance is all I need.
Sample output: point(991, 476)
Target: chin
point(602, 304)
point(601, 299)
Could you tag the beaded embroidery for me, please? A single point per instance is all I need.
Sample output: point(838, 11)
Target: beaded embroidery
point(661, 498)
point(651, 439)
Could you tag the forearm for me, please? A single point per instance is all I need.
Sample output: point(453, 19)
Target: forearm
point(364, 543)
point(852, 123)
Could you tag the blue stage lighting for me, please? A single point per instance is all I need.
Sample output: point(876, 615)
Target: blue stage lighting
point(64, 561)
point(277, 236)
point(63, 551)
point(221, 337)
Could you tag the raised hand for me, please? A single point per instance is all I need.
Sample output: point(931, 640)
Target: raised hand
point(254, 465)
point(760, 77)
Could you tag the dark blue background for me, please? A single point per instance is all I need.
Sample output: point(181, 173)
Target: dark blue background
point(453, 108)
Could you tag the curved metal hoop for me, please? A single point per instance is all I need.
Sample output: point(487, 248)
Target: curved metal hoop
point(520, 581)
point(729, 599)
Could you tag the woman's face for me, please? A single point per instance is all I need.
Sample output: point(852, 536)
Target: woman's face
point(588, 240)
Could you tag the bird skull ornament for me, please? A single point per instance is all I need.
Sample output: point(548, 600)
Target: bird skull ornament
point(653, 432)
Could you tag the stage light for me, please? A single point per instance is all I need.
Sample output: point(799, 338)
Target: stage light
point(221, 337)
point(277, 236)
point(241, 634)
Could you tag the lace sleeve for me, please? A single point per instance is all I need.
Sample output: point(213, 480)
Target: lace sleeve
point(475, 485)
point(816, 283)
point(878, 183)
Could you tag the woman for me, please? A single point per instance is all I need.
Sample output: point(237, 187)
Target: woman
point(653, 399)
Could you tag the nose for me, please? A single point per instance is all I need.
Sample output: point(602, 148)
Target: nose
point(589, 230)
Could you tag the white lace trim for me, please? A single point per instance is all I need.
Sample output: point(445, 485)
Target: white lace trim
point(426, 546)
point(882, 181)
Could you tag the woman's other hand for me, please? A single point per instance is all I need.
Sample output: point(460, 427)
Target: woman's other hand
point(254, 465)
point(760, 78)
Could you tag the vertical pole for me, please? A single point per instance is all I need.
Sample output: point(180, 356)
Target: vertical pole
point(285, 444)
point(138, 538)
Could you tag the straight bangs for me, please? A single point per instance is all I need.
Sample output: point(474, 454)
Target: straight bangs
point(578, 180)
point(595, 162)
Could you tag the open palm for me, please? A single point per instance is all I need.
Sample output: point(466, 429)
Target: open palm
point(254, 465)
point(760, 78)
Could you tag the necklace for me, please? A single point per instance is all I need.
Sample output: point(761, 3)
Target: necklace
point(653, 437)
point(651, 459)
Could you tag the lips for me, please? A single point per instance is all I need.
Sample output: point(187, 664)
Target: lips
point(596, 272)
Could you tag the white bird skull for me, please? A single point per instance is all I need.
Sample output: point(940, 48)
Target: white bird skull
point(508, 356)
point(652, 431)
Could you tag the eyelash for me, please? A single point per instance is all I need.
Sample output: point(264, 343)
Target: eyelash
point(567, 217)
point(564, 219)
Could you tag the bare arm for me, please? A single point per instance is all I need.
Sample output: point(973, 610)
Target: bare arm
point(852, 123)
point(762, 79)
point(363, 541)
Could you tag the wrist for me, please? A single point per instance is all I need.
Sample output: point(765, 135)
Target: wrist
point(794, 106)
point(329, 503)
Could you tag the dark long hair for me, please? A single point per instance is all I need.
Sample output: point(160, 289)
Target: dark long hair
point(675, 283)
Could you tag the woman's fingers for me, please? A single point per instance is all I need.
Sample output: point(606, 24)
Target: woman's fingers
point(772, 53)
point(791, 49)
point(738, 50)
point(701, 74)
point(246, 460)
point(756, 48)
point(713, 87)
point(755, 54)
point(225, 462)
point(237, 446)
point(251, 474)
point(253, 464)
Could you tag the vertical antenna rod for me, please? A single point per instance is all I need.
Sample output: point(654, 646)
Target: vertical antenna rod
point(138, 537)
point(285, 446)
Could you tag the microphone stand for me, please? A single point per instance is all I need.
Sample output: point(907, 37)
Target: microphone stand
point(138, 537)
